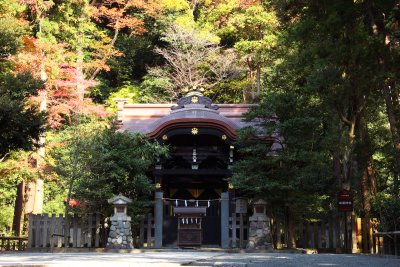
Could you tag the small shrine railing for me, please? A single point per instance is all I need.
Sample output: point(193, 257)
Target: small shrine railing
point(13, 243)
point(386, 243)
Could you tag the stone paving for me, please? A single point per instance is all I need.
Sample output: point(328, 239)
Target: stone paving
point(192, 258)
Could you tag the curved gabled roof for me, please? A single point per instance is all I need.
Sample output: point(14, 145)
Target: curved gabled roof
point(193, 117)
point(193, 110)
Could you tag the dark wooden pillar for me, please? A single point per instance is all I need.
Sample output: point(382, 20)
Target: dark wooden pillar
point(19, 201)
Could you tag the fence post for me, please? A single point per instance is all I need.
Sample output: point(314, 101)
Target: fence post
point(30, 231)
point(149, 230)
point(354, 232)
point(320, 226)
point(374, 244)
point(45, 219)
point(52, 231)
point(241, 232)
point(60, 230)
point(98, 225)
point(234, 245)
point(141, 233)
point(66, 231)
point(37, 231)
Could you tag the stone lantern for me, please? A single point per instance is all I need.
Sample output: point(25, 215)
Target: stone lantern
point(260, 229)
point(120, 236)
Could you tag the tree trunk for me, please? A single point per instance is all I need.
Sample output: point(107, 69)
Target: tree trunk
point(337, 169)
point(376, 21)
point(291, 230)
point(19, 201)
point(389, 97)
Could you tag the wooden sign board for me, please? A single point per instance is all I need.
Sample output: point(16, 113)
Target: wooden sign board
point(241, 205)
point(345, 201)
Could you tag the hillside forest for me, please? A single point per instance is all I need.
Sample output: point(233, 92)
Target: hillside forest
point(327, 70)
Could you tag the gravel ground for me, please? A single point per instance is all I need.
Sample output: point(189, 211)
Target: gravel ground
point(189, 258)
point(297, 260)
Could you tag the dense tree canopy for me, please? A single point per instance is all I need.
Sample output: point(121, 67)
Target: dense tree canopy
point(324, 73)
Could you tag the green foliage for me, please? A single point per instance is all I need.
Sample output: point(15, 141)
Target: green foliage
point(227, 92)
point(11, 32)
point(296, 172)
point(21, 123)
point(55, 194)
point(151, 90)
point(102, 162)
point(389, 211)
point(13, 170)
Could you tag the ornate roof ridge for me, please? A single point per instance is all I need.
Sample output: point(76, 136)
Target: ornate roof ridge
point(194, 98)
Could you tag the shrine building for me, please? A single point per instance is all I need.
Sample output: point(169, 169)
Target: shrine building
point(192, 198)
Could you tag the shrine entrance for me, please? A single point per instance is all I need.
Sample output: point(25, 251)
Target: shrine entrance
point(194, 176)
point(201, 137)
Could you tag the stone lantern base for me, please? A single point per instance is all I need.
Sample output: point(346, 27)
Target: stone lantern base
point(259, 233)
point(120, 236)
point(260, 228)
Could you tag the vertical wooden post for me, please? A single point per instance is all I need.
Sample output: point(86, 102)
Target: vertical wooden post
point(241, 236)
point(364, 228)
point(374, 244)
point(30, 231)
point(37, 231)
point(315, 235)
point(141, 233)
point(338, 232)
point(45, 219)
point(278, 234)
point(301, 235)
point(309, 235)
point(98, 225)
point(379, 245)
point(346, 234)
point(52, 231)
point(234, 245)
point(353, 232)
point(332, 244)
point(312, 237)
point(90, 230)
point(320, 233)
point(149, 230)
point(66, 230)
point(370, 231)
point(60, 229)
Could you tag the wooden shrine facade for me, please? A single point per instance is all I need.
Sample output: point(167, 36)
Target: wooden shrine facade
point(201, 138)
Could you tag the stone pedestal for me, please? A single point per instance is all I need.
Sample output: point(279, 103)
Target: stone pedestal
point(260, 237)
point(120, 236)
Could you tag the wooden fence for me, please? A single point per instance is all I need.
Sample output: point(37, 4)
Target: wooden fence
point(336, 234)
point(49, 231)
point(8, 243)
point(238, 234)
point(386, 243)
point(146, 232)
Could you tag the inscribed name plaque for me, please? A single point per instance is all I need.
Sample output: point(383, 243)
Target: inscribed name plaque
point(345, 201)
point(241, 205)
